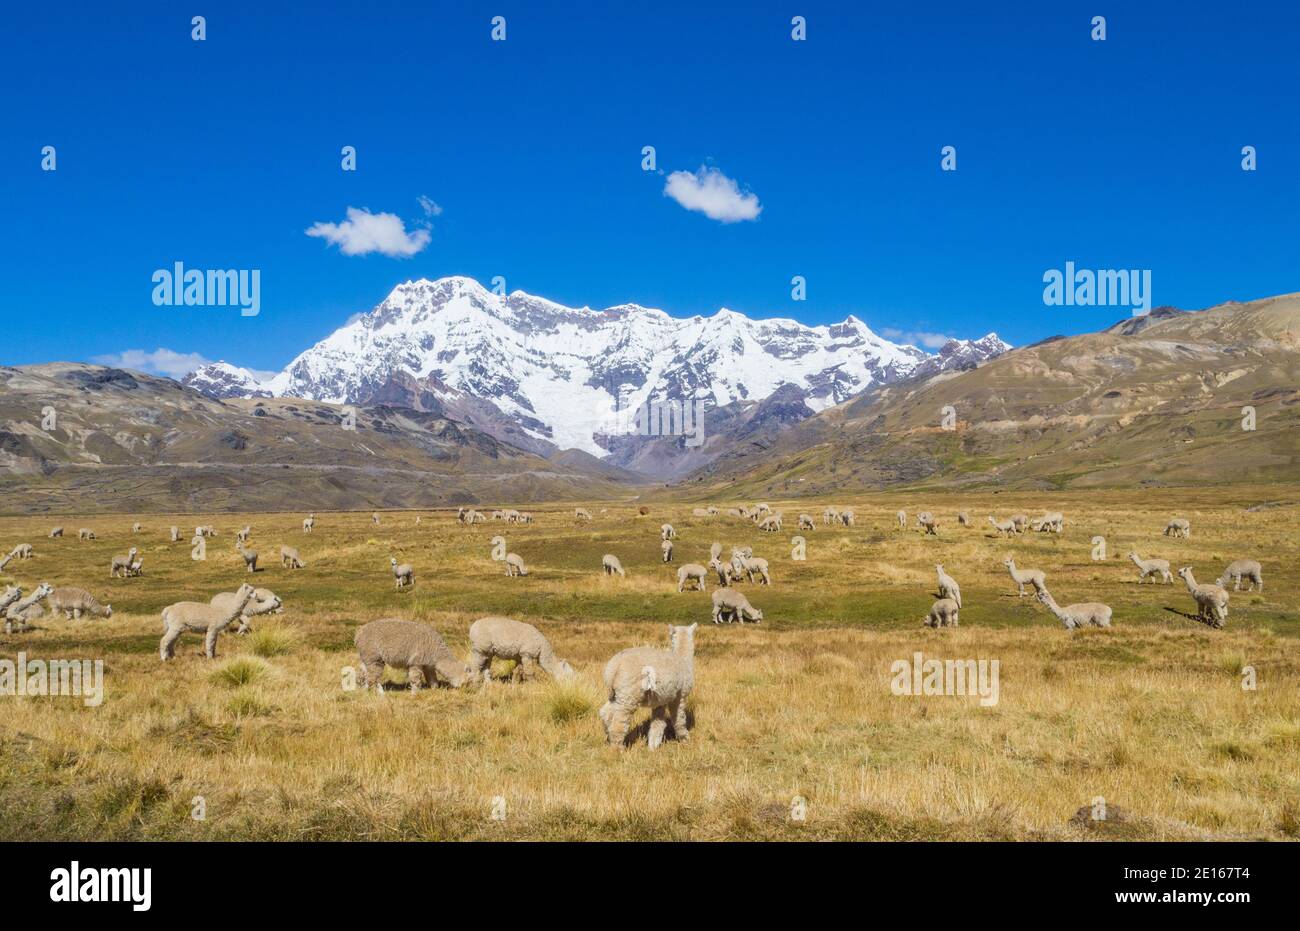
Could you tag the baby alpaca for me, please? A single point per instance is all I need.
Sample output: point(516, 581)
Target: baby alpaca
point(731, 604)
point(943, 613)
point(948, 587)
point(515, 565)
point(1211, 600)
point(1151, 567)
point(1077, 615)
point(504, 638)
point(404, 574)
point(1242, 569)
point(1034, 577)
point(417, 648)
point(660, 680)
point(200, 617)
point(691, 571)
point(610, 564)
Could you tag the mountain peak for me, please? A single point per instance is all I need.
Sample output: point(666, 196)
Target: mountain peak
point(561, 374)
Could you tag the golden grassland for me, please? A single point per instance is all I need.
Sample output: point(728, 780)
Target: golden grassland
point(1150, 715)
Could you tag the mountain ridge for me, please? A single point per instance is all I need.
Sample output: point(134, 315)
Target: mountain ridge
point(558, 376)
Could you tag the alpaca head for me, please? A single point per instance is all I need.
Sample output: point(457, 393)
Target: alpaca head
point(682, 639)
point(1185, 573)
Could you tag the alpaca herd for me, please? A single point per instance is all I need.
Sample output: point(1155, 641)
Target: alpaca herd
point(651, 677)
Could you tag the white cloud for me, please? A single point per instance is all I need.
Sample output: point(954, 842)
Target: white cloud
point(916, 337)
point(710, 192)
point(159, 362)
point(364, 232)
point(430, 208)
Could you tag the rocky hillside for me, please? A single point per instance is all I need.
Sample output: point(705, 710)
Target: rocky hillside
point(87, 438)
point(1151, 400)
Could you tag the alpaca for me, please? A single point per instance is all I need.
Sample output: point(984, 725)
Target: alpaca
point(948, 587)
point(200, 617)
point(1152, 567)
point(504, 638)
point(1034, 577)
point(658, 679)
point(1211, 600)
point(1077, 615)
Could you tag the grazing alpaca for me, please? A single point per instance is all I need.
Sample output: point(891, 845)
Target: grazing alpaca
point(1077, 615)
point(1242, 569)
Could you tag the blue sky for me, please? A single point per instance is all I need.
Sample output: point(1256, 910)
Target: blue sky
point(222, 153)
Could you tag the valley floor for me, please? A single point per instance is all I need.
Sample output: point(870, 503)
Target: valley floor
point(797, 732)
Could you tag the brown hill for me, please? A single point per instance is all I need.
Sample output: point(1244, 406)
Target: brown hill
point(1150, 400)
point(124, 441)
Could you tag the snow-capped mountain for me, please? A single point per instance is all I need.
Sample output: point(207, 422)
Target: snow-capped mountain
point(562, 374)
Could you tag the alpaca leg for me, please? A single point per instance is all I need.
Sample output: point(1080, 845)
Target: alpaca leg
point(658, 724)
point(677, 711)
point(210, 642)
point(167, 648)
point(481, 663)
point(374, 675)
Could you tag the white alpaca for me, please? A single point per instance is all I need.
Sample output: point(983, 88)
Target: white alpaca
point(1242, 569)
point(1034, 577)
point(691, 571)
point(200, 617)
point(1211, 600)
point(733, 606)
point(1079, 615)
point(1178, 527)
point(505, 638)
point(1004, 527)
point(660, 680)
point(943, 613)
point(667, 547)
point(948, 587)
point(1151, 567)
point(611, 565)
point(404, 574)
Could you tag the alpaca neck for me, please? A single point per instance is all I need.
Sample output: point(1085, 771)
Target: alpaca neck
point(1191, 582)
